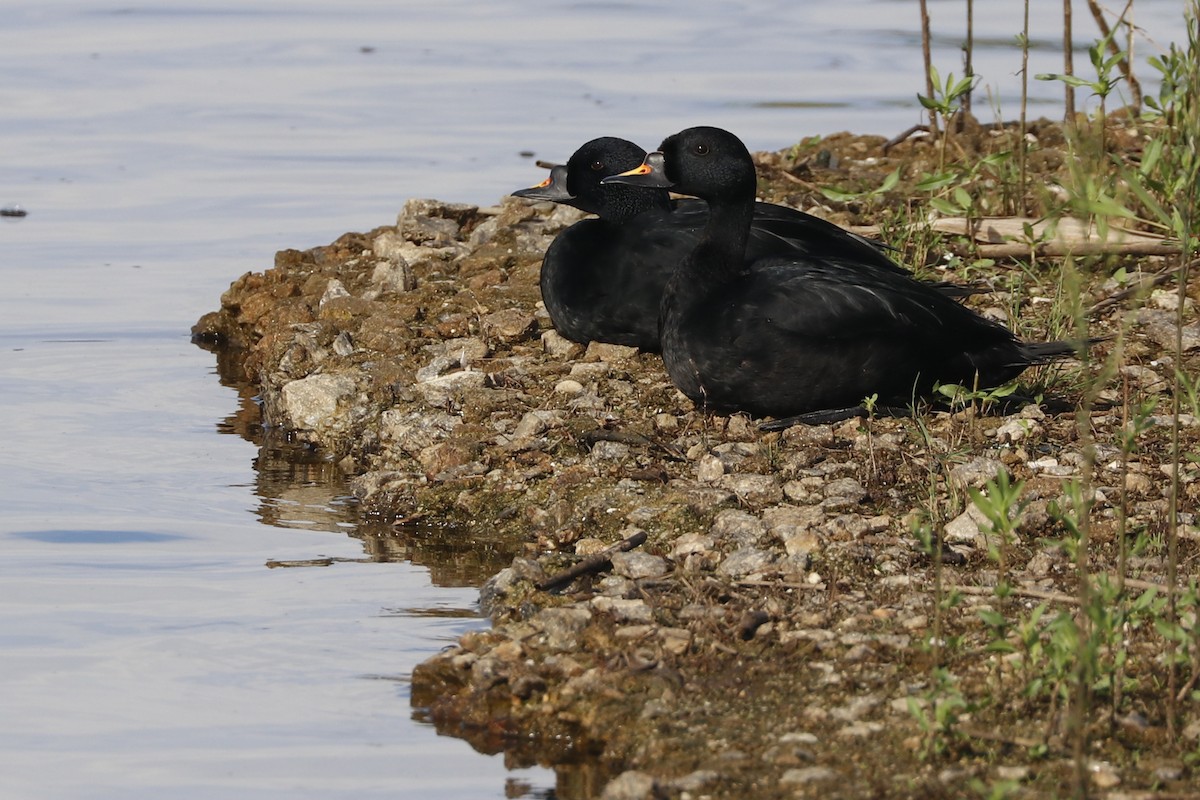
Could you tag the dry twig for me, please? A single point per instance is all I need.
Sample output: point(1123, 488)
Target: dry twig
point(597, 562)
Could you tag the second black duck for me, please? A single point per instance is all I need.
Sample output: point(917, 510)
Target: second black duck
point(805, 332)
point(602, 279)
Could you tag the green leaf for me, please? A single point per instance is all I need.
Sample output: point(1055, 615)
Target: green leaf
point(1151, 154)
point(1161, 215)
point(944, 206)
point(1070, 80)
point(961, 88)
point(929, 103)
point(890, 182)
point(962, 197)
point(992, 618)
point(839, 195)
point(931, 183)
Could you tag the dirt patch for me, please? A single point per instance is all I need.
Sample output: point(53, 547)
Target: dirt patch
point(815, 612)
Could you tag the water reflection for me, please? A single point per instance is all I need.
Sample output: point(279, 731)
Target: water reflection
point(297, 486)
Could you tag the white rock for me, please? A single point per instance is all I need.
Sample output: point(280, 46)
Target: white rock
point(709, 468)
point(571, 388)
point(311, 402)
point(438, 391)
point(623, 610)
point(333, 290)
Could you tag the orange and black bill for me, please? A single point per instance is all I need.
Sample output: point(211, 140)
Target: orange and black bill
point(651, 172)
point(554, 188)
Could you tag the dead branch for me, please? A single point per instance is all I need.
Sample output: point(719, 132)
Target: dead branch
point(903, 135)
point(1138, 288)
point(1016, 591)
point(597, 562)
point(628, 437)
point(1064, 249)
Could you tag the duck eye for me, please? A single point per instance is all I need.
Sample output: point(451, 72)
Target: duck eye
point(700, 149)
point(597, 166)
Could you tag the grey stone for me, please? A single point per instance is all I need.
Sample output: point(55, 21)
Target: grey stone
point(390, 245)
point(429, 231)
point(803, 775)
point(753, 488)
point(590, 370)
point(391, 276)
point(735, 525)
point(976, 472)
point(311, 403)
point(609, 451)
point(343, 345)
point(805, 490)
point(860, 730)
point(436, 367)
point(1040, 565)
point(333, 290)
point(555, 344)
point(465, 350)
point(784, 521)
point(747, 561)
point(605, 351)
point(569, 387)
point(856, 708)
point(1013, 773)
point(1160, 326)
point(847, 488)
point(623, 610)
point(495, 587)
point(1168, 773)
point(970, 527)
point(732, 454)
point(562, 626)
point(691, 544)
point(418, 207)
point(695, 781)
point(1016, 429)
point(535, 423)
point(413, 432)
point(508, 325)
point(439, 391)
point(638, 565)
point(1103, 775)
point(709, 468)
point(631, 785)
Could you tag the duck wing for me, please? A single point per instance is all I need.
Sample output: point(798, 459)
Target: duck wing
point(835, 298)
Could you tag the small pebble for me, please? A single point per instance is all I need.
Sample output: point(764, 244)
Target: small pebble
point(569, 387)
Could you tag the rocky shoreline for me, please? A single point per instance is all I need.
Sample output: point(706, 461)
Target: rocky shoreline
point(771, 637)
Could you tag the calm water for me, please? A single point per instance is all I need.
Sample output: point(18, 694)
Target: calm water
point(164, 148)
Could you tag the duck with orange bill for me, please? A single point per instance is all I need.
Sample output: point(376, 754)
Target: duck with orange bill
point(602, 279)
point(804, 333)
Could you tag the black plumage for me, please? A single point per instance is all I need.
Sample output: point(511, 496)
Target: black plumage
point(602, 279)
point(804, 333)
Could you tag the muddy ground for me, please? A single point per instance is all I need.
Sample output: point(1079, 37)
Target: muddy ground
point(783, 630)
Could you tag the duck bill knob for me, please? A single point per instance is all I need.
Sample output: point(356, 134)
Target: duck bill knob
point(651, 172)
point(554, 188)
